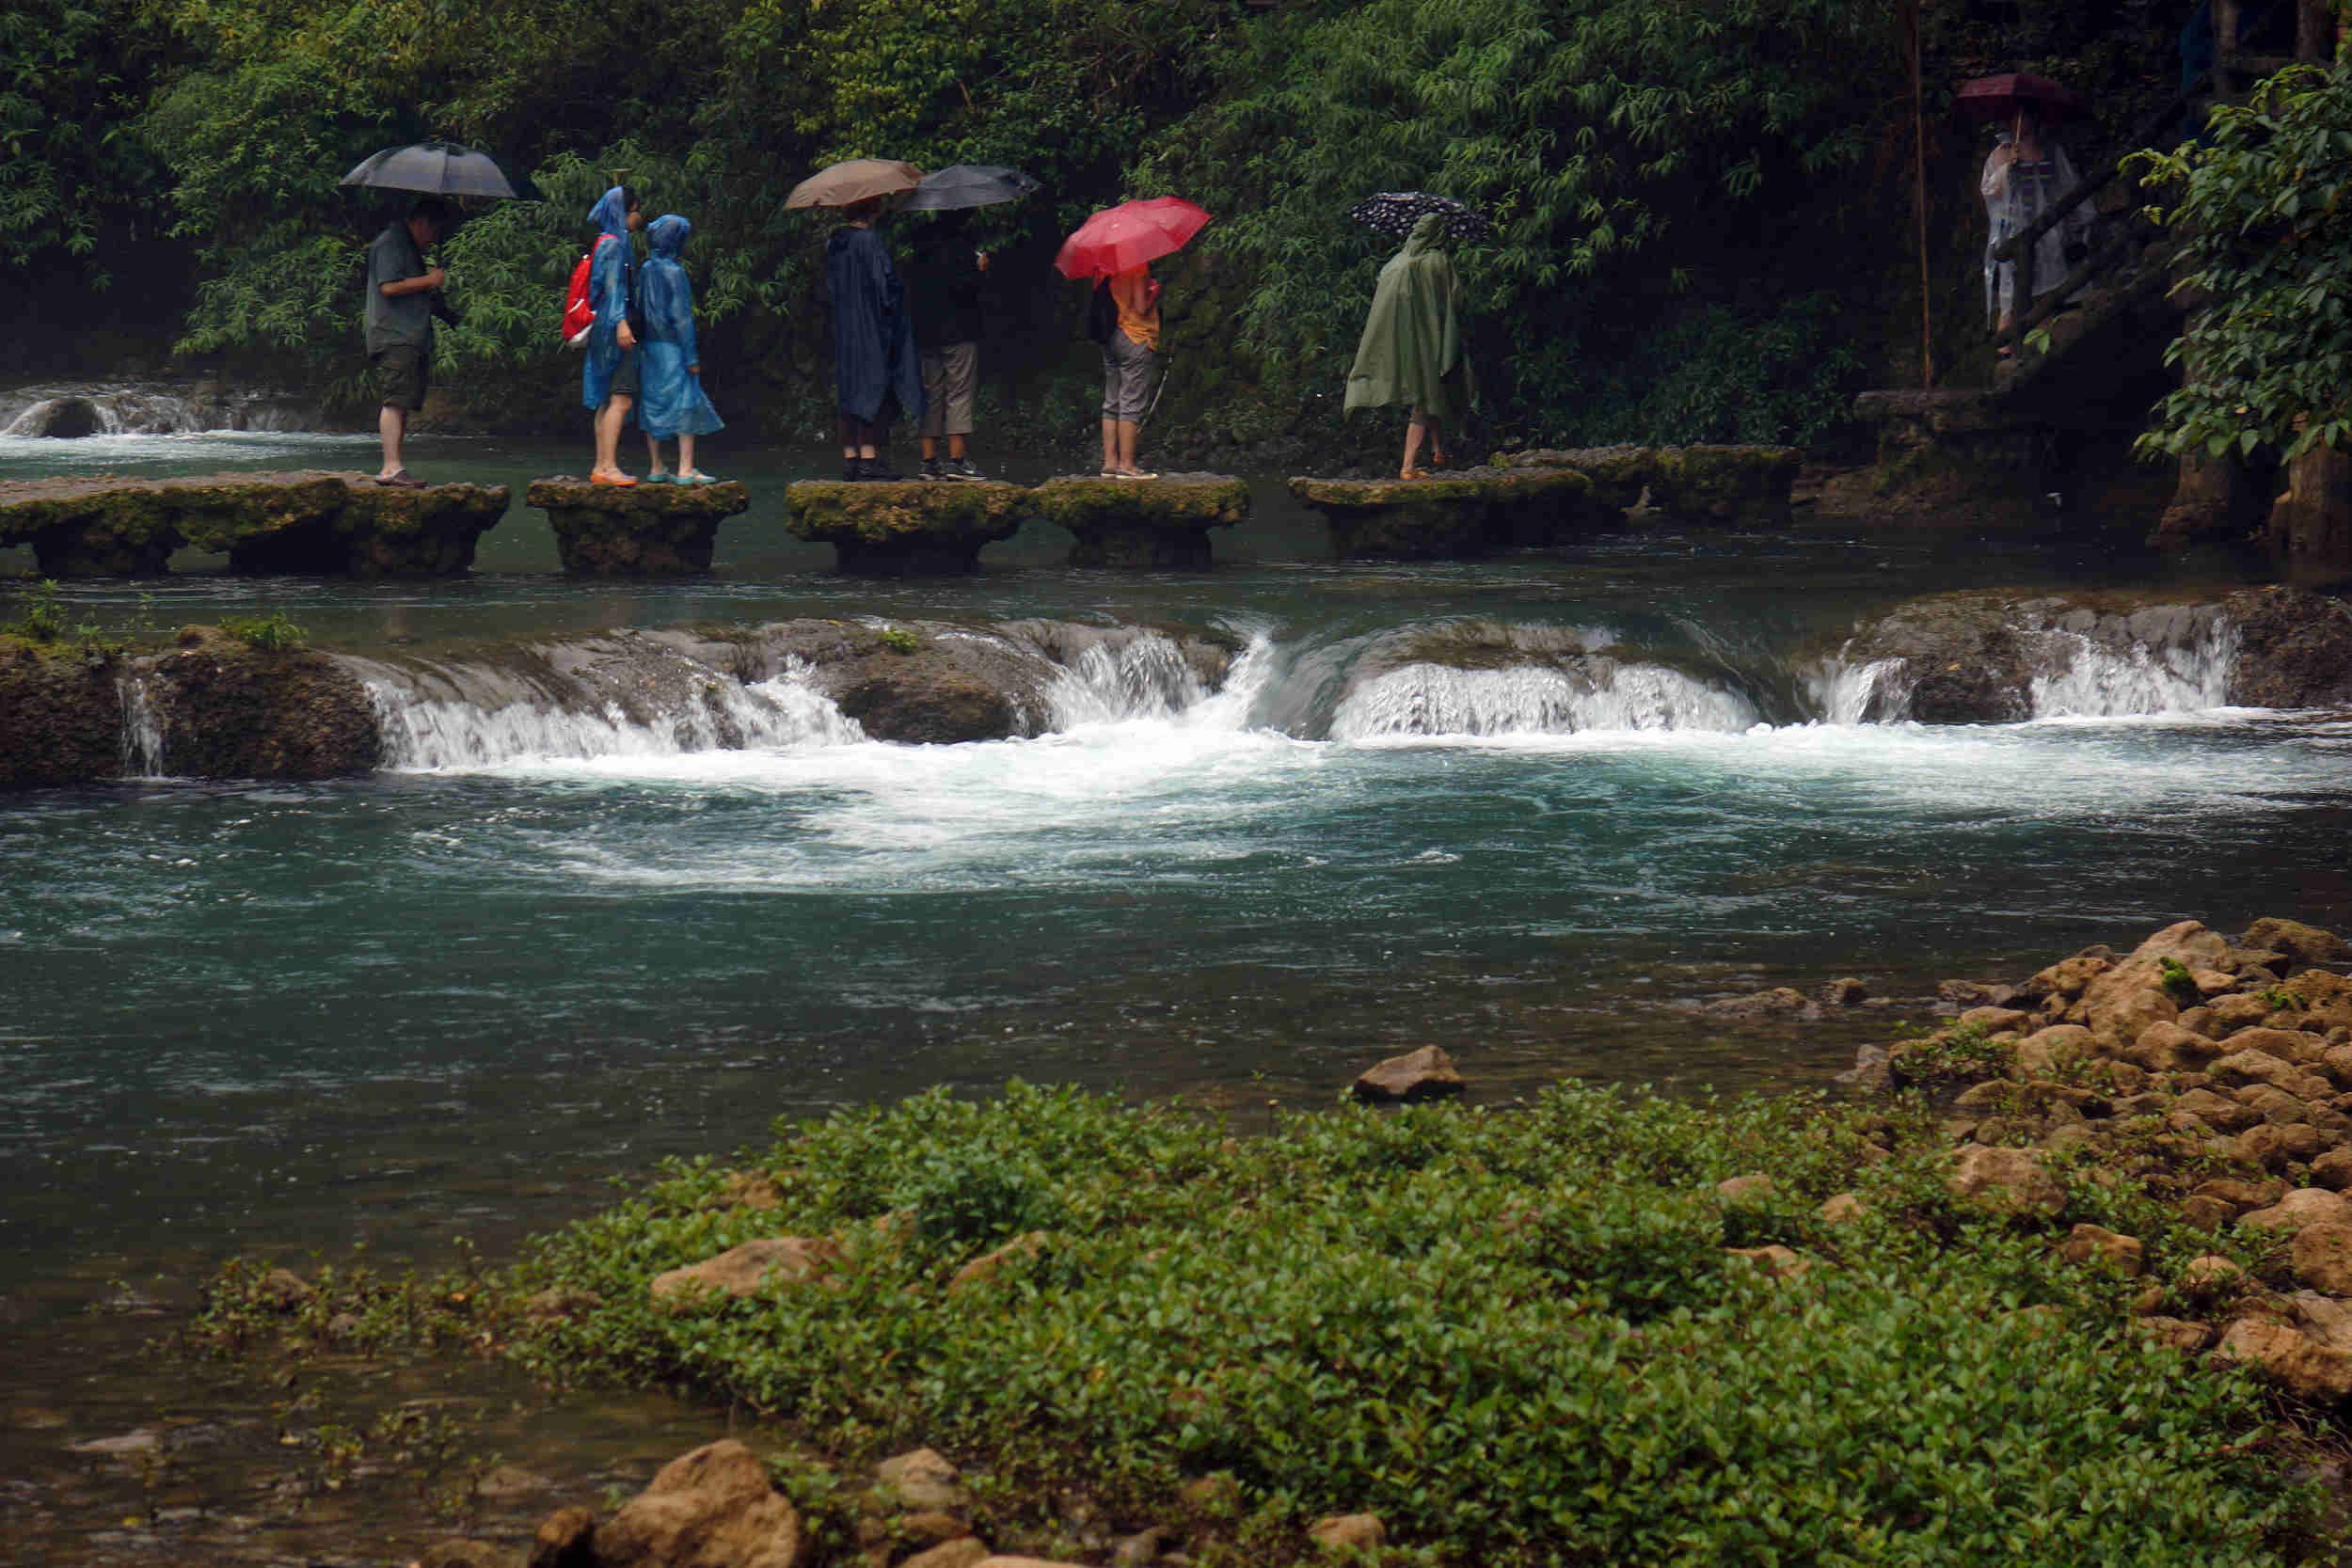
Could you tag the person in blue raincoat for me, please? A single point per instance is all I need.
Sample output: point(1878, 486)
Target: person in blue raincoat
point(876, 375)
point(608, 382)
point(672, 403)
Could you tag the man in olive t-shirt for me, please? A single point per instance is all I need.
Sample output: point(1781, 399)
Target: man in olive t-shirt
point(400, 326)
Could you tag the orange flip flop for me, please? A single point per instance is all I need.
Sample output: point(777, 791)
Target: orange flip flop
point(621, 481)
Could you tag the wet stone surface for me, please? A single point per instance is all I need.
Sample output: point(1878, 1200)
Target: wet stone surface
point(905, 527)
point(641, 531)
point(1161, 522)
point(308, 522)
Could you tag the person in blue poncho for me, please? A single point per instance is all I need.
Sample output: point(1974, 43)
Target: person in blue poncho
point(876, 375)
point(672, 403)
point(608, 382)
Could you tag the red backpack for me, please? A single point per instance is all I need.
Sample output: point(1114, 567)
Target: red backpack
point(580, 315)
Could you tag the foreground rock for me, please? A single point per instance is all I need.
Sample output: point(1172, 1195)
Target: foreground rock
point(1162, 522)
point(747, 1270)
point(910, 527)
point(641, 531)
point(1428, 1074)
point(712, 1508)
point(304, 522)
point(2216, 1070)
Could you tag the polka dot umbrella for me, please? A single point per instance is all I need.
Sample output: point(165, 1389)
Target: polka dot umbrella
point(1394, 212)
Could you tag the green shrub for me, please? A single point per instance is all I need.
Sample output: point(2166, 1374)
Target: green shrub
point(1513, 1333)
point(270, 634)
point(43, 619)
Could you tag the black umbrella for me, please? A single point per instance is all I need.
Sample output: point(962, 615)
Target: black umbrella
point(961, 186)
point(438, 167)
point(1394, 212)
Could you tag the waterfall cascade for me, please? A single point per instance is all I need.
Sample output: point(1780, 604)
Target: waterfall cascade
point(1601, 694)
point(133, 409)
point(142, 729)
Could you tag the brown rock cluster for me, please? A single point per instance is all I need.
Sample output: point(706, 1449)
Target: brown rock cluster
point(2217, 1071)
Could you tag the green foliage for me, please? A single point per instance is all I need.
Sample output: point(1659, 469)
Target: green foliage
point(1516, 1335)
point(71, 82)
point(270, 634)
point(1959, 1054)
point(2180, 982)
point(2257, 210)
point(44, 618)
point(899, 640)
point(1618, 144)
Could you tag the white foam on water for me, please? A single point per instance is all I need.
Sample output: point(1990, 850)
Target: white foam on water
point(1424, 701)
point(1844, 693)
point(2101, 681)
point(423, 735)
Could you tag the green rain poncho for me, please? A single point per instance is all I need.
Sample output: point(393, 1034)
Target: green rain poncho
point(1411, 352)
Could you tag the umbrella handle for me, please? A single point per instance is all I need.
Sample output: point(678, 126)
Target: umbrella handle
point(1165, 364)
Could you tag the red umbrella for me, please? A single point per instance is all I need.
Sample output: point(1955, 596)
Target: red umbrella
point(2001, 97)
point(1128, 235)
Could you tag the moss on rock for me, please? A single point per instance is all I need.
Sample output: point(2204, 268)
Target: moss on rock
point(910, 527)
point(229, 711)
point(1162, 522)
point(60, 714)
point(637, 531)
point(309, 522)
point(1470, 514)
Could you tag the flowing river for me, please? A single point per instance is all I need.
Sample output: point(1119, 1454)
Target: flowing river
point(541, 946)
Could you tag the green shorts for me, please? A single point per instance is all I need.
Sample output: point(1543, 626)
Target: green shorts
point(400, 376)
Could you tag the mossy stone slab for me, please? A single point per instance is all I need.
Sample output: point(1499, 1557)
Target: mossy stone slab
point(1734, 486)
point(1161, 522)
point(906, 528)
point(1453, 517)
point(309, 521)
point(641, 531)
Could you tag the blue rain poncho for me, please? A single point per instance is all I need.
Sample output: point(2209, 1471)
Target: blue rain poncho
point(2014, 197)
point(608, 294)
point(670, 401)
point(873, 332)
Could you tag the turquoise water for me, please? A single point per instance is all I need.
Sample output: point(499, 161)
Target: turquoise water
point(452, 997)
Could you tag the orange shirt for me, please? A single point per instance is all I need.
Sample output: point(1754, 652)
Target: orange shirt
point(1137, 293)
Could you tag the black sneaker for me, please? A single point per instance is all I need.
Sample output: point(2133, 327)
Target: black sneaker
point(853, 470)
point(878, 472)
point(959, 467)
point(932, 470)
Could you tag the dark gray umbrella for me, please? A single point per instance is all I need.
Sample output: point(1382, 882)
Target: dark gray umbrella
point(961, 186)
point(438, 167)
point(1394, 212)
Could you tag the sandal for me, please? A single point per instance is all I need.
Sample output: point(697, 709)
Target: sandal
point(662, 477)
point(400, 479)
point(1412, 473)
point(621, 481)
point(697, 477)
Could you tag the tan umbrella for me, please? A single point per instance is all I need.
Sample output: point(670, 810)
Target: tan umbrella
point(845, 183)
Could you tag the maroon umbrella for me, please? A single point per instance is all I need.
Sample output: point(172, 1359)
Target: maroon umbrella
point(1999, 98)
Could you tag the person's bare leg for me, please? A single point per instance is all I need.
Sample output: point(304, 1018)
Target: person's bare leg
point(686, 468)
point(1437, 442)
point(955, 448)
point(1110, 446)
point(608, 421)
point(391, 423)
point(931, 448)
point(653, 456)
point(1414, 430)
point(1128, 431)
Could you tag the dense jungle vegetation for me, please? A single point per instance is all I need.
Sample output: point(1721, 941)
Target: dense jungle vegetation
point(1703, 210)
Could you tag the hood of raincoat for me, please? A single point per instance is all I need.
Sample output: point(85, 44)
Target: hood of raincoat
point(610, 216)
point(667, 234)
point(1411, 349)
